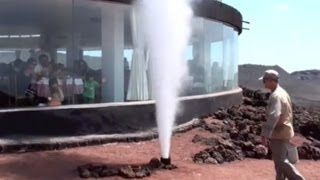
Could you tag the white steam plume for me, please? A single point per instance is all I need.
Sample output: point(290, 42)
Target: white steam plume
point(168, 28)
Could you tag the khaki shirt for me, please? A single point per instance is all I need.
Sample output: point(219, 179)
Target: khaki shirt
point(279, 124)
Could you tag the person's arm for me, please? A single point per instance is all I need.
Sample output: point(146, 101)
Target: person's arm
point(61, 94)
point(273, 115)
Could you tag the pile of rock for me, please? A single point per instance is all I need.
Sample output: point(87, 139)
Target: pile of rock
point(220, 151)
point(239, 128)
point(125, 171)
point(307, 122)
point(310, 150)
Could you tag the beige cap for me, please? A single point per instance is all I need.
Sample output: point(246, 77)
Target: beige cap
point(270, 74)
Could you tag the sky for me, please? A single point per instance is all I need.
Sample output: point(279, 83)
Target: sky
point(282, 32)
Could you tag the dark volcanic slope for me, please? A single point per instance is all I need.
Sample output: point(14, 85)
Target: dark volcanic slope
point(302, 92)
point(308, 75)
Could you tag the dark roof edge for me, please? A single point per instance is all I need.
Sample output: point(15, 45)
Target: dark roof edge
point(210, 9)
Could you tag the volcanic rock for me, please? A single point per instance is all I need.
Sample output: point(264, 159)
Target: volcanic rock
point(211, 160)
point(168, 166)
point(134, 172)
point(225, 151)
point(240, 129)
point(247, 146)
point(247, 101)
point(260, 151)
point(242, 125)
point(197, 138)
point(126, 171)
point(221, 114)
point(213, 128)
point(218, 157)
point(224, 136)
point(109, 172)
point(307, 151)
point(154, 163)
point(85, 174)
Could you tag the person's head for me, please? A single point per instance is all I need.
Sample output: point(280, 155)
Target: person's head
point(56, 69)
point(83, 65)
point(53, 83)
point(270, 79)
point(90, 77)
point(32, 62)
point(18, 65)
point(44, 60)
point(61, 66)
point(28, 69)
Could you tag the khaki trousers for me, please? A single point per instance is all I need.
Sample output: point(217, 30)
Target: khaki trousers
point(284, 169)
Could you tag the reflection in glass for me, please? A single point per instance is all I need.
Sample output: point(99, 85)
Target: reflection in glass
point(236, 59)
point(216, 66)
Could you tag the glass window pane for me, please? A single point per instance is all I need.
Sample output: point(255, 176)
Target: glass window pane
point(128, 55)
point(236, 58)
point(216, 66)
point(195, 82)
point(31, 32)
point(220, 56)
point(214, 31)
point(102, 36)
point(228, 57)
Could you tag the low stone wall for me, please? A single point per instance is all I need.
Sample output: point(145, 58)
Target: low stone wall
point(110, 118)
point(25, 144)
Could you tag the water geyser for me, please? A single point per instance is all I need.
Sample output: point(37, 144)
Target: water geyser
point(168, 28)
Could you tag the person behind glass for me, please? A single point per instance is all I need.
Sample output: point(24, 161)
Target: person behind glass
point(33, 63)
point(83, 69)
point(90, 89)
point(196, 70)
point(25, 76)
point(23, 82)
point(57, 71)
point(56, 93)
point(32, 98)
point(278, 129)
point(16, 67)
point(43, 67)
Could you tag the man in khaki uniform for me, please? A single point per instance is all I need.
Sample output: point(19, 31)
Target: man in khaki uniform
point(278, 129)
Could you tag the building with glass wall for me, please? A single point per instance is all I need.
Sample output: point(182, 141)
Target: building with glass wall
point(58, 56)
